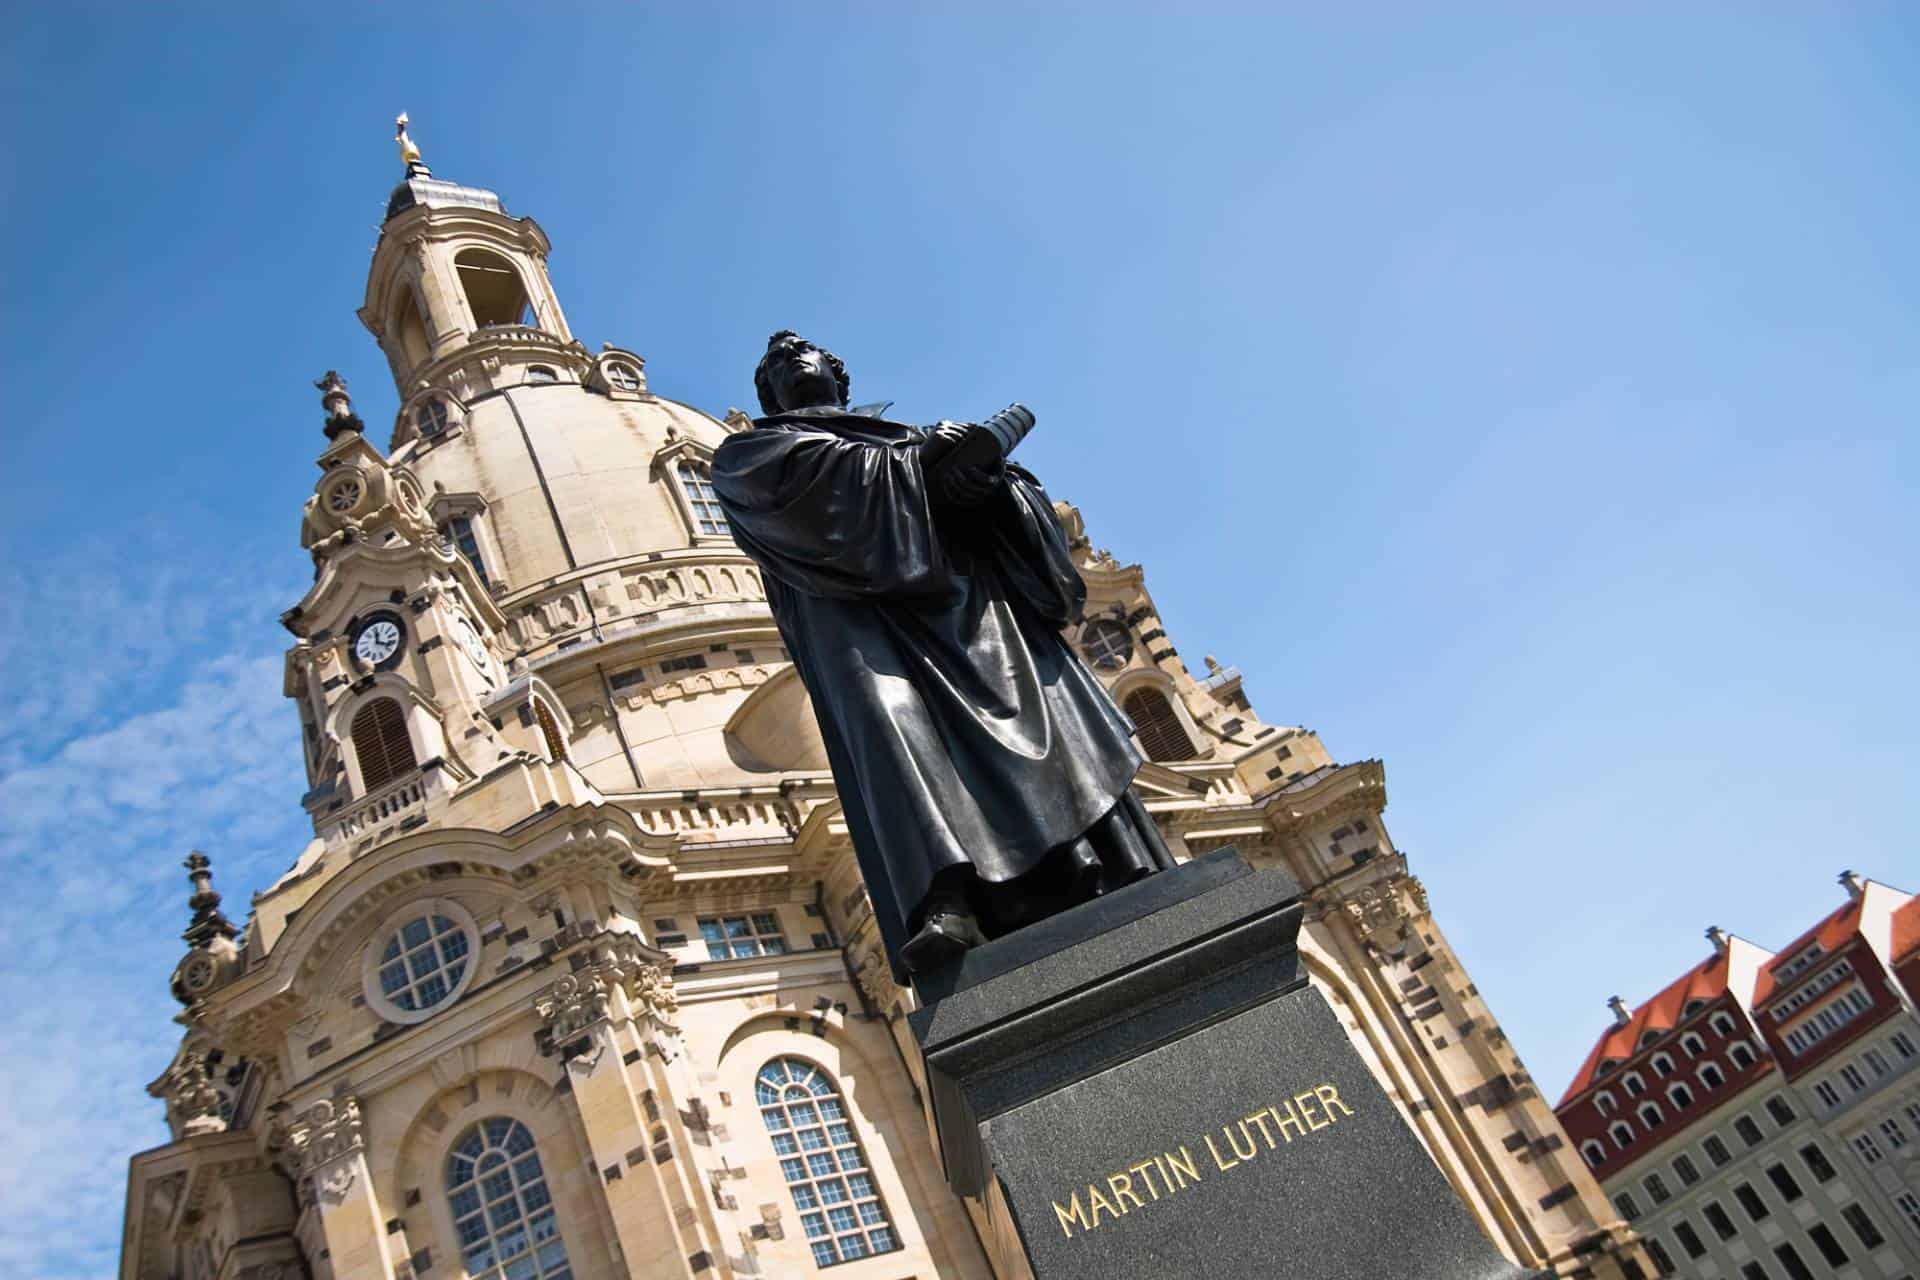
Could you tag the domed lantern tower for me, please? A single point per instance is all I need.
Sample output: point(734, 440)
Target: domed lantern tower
point(577, 976)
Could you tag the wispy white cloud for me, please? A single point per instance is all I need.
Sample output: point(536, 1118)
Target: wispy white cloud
point(156, 725)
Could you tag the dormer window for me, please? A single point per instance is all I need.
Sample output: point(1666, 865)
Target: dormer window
point(430, 417)
point(495, 294)
point(703, 504)
point(623, 375)
point(457, 535)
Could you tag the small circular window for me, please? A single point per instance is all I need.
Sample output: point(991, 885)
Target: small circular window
point(430, 419)
point(421, 965)
point(540, 373)
point(1109, 645)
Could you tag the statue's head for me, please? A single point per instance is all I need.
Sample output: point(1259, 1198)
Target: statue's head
point(795, 374)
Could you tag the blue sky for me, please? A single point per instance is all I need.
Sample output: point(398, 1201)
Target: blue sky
point(1526, 398)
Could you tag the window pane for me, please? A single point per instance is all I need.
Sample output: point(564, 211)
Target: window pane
point(810, 1116)
point(517, 1234)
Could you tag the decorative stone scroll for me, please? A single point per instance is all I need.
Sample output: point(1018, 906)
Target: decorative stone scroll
point(616, 962)
point(326, 1132)
point(1381, 910)
point(192, 1096)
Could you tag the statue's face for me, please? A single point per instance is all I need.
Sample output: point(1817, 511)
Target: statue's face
point(800, 375)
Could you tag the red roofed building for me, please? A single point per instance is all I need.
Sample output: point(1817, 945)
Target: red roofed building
point(1906, 949)
point(1759, 1117)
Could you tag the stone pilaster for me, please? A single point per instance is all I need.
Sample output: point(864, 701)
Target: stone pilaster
point(607, 1019)
point(328, 1145)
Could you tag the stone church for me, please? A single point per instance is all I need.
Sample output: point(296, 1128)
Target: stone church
point(577, 977)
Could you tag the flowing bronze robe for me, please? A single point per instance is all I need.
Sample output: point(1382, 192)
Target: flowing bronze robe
point(961, 730)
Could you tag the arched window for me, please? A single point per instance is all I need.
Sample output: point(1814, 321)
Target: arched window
point(1742, 1056)
point(502, 1210)
point(703, 504)
point(1621, 1134)
point(410, 328)
point(1604, 1103)
point(494, 292)
point(1157, 725)
point(1722, 1024)
point(1634, 1085)
point(541, 373)
point(550, 730)
point(1650, 1115)
point(824, 1165)
point(1693, 1044)
point(623, 376)
point(1679, 1095)
point(381, 743)
point(1711, 1076)
point(1662, 1065)
point(1594, 1152)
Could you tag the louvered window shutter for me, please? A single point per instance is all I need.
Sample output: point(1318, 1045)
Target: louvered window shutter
point(381, 743)
point(1158, 726)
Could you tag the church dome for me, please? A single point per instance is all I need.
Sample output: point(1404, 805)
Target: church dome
point(422, 190)
point(554, 478)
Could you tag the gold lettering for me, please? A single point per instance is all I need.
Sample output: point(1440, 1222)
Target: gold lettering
point(1072, 1214)
point(1305, 1101)
point(1183, 1166)
point(1099, 1202)
point(1122, 1187)
point(1222, 1165)
point(1143, 1169)
point(1260, 1118)
point(1291, 1118)
point(1330, 1098)
point(1248, 1153)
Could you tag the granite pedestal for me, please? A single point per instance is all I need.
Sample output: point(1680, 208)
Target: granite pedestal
point(1146, 1086)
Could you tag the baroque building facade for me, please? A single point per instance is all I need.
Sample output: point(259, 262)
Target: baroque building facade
point(1759, 1117)
point(577, 976)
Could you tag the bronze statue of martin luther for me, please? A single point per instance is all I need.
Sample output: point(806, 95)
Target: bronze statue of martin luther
point(921, 583)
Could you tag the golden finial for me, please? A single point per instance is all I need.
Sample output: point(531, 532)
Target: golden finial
point(409, 153)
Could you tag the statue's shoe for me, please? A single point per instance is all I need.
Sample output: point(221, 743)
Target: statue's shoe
point(944, 938)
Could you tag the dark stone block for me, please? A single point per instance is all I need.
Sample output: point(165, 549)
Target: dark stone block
point(1146, 1086)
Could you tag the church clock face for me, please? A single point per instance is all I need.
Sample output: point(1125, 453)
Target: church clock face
point(471, 644)
point(377, 641)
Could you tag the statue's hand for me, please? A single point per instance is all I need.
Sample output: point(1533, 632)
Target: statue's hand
point(959, 485)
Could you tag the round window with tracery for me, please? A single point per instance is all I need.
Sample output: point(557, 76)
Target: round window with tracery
point(430, 418)
point(623, 377)
point(1109, 644)
point(423, 964)
point(344, 496)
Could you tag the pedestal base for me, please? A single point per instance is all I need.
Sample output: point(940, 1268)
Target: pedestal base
point(1157, 1093)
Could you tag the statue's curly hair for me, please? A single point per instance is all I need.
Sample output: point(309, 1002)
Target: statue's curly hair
point(763, 385)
